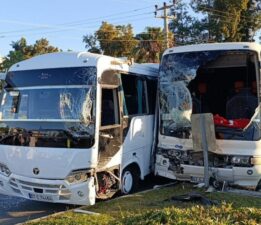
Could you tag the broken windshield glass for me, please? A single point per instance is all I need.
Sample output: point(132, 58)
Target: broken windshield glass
point(213, 72)
point(57, 108)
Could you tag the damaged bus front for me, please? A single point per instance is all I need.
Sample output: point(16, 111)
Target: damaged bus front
point(221, 79)
point(75, 127)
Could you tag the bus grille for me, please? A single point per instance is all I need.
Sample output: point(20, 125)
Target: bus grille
point(55, 189)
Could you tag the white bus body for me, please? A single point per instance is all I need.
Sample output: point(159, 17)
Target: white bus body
point(75, 126)
point(200, 79)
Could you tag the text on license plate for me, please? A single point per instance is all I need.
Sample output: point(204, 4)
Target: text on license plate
point(40, 197)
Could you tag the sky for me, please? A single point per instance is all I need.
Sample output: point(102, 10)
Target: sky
point(64, 22)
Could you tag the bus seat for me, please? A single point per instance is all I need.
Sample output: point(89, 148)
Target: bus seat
point(242, 105)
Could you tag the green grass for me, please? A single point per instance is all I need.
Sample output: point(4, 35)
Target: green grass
point(154, 207)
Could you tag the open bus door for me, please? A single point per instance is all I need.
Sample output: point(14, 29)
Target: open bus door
point(110, 133)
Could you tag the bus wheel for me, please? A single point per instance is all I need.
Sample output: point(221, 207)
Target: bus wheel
point(129, 180)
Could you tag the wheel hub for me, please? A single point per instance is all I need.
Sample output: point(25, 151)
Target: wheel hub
point(127, 182)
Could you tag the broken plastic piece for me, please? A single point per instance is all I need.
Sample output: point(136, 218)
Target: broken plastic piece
point(194, 198)
point(199, 185)
point(85, 212)
point(210, 189)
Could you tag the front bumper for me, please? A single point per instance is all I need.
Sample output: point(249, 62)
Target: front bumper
point(248, 177)
point(56, 191)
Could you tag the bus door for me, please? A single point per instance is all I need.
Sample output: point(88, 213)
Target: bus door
point(110, 132)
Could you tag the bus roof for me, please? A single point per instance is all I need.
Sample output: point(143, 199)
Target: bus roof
point(83, 59)
point(215, 46)
point(59, 60)
point(150, 69)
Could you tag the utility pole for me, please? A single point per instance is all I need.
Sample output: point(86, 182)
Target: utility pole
point(209, 35)
point(166, 18)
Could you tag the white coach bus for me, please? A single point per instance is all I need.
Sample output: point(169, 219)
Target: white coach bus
point(222, 79)
point(75, 127)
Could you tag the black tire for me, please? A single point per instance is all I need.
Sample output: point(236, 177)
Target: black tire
point(130, 180)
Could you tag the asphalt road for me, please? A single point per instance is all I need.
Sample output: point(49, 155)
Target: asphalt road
point(15, 210)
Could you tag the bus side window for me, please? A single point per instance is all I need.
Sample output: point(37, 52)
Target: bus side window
point(110, 107)
point(152, 91)
point(134, 95)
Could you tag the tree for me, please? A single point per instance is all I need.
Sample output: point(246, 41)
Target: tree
point(150, 46)
point(91, 43)
point(112, 40)
point(21, 51)
point(230, 20)
point(250, 21)
point(16, 55)
point(40, 47)
point(187, 29)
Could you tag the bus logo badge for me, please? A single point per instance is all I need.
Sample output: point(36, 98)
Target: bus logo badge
point(36, 171)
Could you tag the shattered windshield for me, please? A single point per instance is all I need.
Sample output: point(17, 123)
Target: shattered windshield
point(62, 103)
point(54, 111)
point(185, 77)
point(176, 71)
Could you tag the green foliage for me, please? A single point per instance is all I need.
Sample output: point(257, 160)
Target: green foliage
point(150, 46)
point(154, 207)
point(224, 214)
point(226, 25)
point(230, 20)
point(21, 51)
point(187, 28)
point(117, 41)
point(91, 43)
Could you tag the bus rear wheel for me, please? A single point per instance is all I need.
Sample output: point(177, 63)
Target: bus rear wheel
point(129, 180)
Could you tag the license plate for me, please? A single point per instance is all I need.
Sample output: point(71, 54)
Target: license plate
point(41, 197)
point(197, 179)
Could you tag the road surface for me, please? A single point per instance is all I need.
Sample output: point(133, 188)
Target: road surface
point(15, 210)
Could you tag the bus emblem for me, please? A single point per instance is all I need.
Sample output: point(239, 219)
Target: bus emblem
point(36, 171)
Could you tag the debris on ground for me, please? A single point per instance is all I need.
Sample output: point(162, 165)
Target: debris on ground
point(194, 198)
point(85, 212)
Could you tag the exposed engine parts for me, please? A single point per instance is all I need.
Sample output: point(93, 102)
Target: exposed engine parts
point(190, 157)
point(107, 184)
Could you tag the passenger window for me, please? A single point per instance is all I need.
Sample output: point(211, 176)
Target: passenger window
point(110, 107)
point(134, 95)
point(152, 91)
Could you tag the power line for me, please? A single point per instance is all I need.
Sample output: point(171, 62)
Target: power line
point(133, 40)
point(226, 14)
point(67, 29)
point(75, 23)
point(108, 16)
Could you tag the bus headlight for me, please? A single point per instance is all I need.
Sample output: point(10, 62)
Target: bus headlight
point(78, 176)
point(256, 160)
point(4, 170)
point(240, 161)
